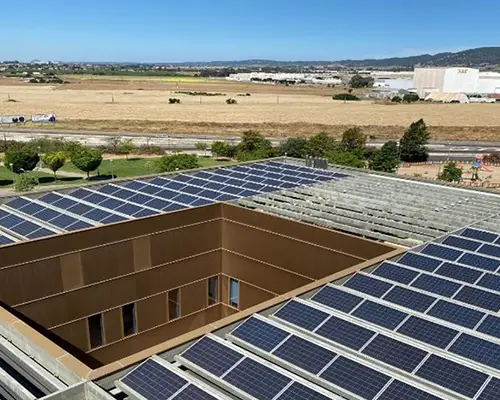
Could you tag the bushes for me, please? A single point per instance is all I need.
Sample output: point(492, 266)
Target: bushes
point(345, 97)
point(176, 162)
point(173, 100)
point(21, 161)
point(451, 173)
point(25, 183)
point(396, 99)
point(411, 98)
point(223, 149)
point(231, 101)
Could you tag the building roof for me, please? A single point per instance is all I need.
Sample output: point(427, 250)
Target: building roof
point(424, 325)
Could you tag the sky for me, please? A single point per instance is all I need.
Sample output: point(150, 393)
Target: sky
point(220, 30)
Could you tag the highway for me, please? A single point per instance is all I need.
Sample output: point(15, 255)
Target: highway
point(182, 142)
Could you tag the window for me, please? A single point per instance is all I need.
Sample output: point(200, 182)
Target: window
point(213, 290)
point(174, 304)
point(234, 294)
point(95, 331)
point(128, 317)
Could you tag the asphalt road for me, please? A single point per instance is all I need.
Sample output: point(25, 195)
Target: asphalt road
point(438, 150)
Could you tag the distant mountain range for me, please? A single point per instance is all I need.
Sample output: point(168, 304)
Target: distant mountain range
point(479, 57)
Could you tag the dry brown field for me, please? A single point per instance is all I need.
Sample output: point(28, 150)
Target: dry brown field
point(142, 106)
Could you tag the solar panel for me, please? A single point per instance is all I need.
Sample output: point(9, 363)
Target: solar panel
point(191, 189)
point(144, 213)
point(153, 381)
point(79, 209)
point(368, 285)
point(112, 204)
point(212, 356)
point(25, 228)
point(481, 262)
point(97, 214)
point(409, 299)
point(80, 193)
point(356, 378)
point(201, 202)
point(5, 240)
point(452, 375)
point(231, 190)
point(380, 315)
point(490, 326)
point(193, 392)
point(490, 250)
point(135, 185)
point(428, 332)
point(96, 198)
point(395, 353)
point(304, 354)
point(18, 203)
point(419, 261)
point(458, 272)
point(63, 221)
point(42, 232)
point(490, 281)
point(210, 194)
point(395, 273)
point(260, 334)
point(441, 252)
point(461, 243)
point(456, 314)
point(65, 203)
point(32, 208)
point(152, 190)
point(480, 298)
point(78, 225)
point(50, 198)
point(257, 380)
point(490, 392)
point(112, 218)
point(345, 333)
point(436, 285)
point(140, 198)
point(226, 197)
point(184, 199)
point(159, 204)
point(398, 390)
point(477, 349)
point(128, 209)
point(109, 189)
point(10, 221)
point(337, 299)
point(479, 235)
point(300, 392)
point(301, 315)
point(46, 214)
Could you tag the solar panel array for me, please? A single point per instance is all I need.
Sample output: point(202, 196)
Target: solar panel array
point(424, 325)
point(57, 212)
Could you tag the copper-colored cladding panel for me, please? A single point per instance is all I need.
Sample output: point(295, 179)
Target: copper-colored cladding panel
point(59, 282)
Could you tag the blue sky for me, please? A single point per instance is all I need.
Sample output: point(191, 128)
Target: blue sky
point(205, 30)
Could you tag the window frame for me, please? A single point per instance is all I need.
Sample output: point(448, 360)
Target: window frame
point(215, 296)
point(233, 296)
point(174, 304)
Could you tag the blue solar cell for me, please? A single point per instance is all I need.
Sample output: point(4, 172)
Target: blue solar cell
point(237, 175)
point(214, 186)
point(78, 225)
point(219, 178)
point(436, 285)
point(380, 315)
point(79, 209)
point(135, 185)
point(300, 392)
point(18, 203)
point(64, 203)
point(191, 189)
point(490, 281)
point(174, 207)
point(368, 285)
point(226, 197)
point(479, 235)
point(140, 198)
point(248, 193)
point(458, 272)
point(151, 190)
point(255, 178)
point(419, 261)
point(112, 204)
point(159, 181)
point(395, 273)
point(96, 198)
point(488, 249)
point(42, 232)
point(481, 262)
point(490, 326)
point(398, 390)
point(10, 221)
point(301, 315)
point(167, 194)
point(109, 189)
point(356, 378)
point(5, 240)
point(201, 202)
point(97, 214)
point(232, 190)
point(203, 175)
point(50, 198)
point(212, 356)
point(409, 299)
point(112, 218)
point(209, 194)
point(480, 298)
point(441, 252)
point(491, 391)
point(479, 350)
point(304, 354)
point(46, 214)
point(288, 185)
point(268, 189)
point(306, 182)
point(223, 171)
point(3, 213)
point(257, 380)
point(197, 182)
point(25, 228)
point(145, 213)
point(395, 353)
point(235, 182)
point(456, 314)
point(185, 199)
point(129, 209)
point(260, 334)
point(461, 243)
point(337, 299)
point(192, 392)
point(183, 178)
point(239, 168)
point(307, 175)
point(428, 332)
point(63, 221)
point(152, 381)
point(452, 375)
point(289, 178)
point(273, 175)
point(80, 193)
point(272, 182)
point(252, 186)
point(32, 208)
point(345, 333)
point(159, 204)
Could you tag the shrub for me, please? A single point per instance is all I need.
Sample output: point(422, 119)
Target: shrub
point(320, 145)
point(21, 161)
point(411, 98)
point(25, 183)
point(493, 158)
point(294, 147)
point(396, 99)
point(451, 173)
point(173, 100)
point(345, 97)
point(346, 158)
point(176, 162)
point(149, 150)
point(223, 149)
point(231, 101)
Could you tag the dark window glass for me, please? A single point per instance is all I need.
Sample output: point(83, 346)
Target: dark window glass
point(128, 316)
point(213, 290)
point(95, 331)
point(174, 304)
point(234, 295)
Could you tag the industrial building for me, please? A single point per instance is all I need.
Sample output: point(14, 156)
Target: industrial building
point(265, 280)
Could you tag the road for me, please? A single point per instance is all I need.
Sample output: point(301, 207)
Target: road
point(438, 150)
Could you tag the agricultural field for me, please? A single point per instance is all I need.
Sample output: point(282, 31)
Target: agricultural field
point(123, 104)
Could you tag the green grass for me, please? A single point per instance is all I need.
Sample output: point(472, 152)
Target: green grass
point(7, 179)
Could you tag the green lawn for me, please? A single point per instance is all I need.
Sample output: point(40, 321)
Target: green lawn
point(7, 179)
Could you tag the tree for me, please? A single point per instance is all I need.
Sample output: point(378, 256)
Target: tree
point(451, 173)
point(412, 144)
point(320, 145)
point(54, 161)
point(411, 98)
point(294, 147)
point(114, 143)
point(251, 141)
point(350, 159)
point(353, 139)
point(21, 161)
point(86, 160)
point(127, 147)
point(176, 162)
point(357, 81)
point(223, 149)
point(386, 159)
